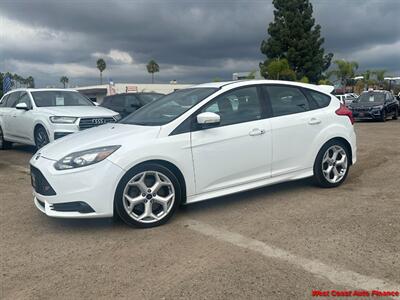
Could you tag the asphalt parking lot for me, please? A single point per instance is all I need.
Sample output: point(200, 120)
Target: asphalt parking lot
point(278, 242)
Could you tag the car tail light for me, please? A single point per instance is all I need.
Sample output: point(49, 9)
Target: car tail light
point(344, 111)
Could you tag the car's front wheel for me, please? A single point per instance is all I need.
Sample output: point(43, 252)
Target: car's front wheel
point(3, 144)
point(147, 196)
point(41, 137)
point(332, 164)
point(396, 114)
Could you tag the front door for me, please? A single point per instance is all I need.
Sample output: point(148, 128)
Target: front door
point(238, 150)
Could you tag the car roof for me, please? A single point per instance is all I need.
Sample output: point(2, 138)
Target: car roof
point(327, 89)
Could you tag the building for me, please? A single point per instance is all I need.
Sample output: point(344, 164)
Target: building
point(97, 92)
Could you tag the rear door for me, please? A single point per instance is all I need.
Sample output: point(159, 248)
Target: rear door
point(296, 122)
point(9, 130)
point(22, 121)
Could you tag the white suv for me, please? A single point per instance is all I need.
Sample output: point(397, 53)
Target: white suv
point(39, 116)
point(195, 144)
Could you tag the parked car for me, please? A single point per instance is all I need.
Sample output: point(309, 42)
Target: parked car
point(376, 105)
point(347, 99)
point(127, 103)
point(39, 116)
point(195, 144)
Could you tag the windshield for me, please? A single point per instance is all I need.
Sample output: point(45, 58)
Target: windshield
point(147, 98)
point(60, 98)
point(371, 97)
point(168, 108)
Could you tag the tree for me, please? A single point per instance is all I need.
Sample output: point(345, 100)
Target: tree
point(101, 65)
point(30, 81)
point(380, 76)
point(294, 36)
point(278, 69)
point(345, 71)
point(152, 67)
point(64, 80)
point(304, 79)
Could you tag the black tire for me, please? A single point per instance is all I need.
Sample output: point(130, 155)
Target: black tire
point(4, 145)
point(41, 137)
point(119, 194)
point(319, 177)
point(383, 116)
point(396, 114)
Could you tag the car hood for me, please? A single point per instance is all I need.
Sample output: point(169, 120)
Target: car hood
point(105, 135)
point(78, 111)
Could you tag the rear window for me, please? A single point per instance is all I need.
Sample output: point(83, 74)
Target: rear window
point(322, 100)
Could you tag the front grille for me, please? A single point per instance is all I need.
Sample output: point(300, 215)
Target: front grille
point(361, 109)
point(40, 184)
point(86, 123)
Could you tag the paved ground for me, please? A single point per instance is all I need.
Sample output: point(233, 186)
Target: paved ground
point(278, 242)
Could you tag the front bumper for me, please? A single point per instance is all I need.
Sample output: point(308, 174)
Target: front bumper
point(93, 186)
point(367, 115)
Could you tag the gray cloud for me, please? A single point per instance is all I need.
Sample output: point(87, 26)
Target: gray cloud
point(193, 41)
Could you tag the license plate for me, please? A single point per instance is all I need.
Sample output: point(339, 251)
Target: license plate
point(361, 114)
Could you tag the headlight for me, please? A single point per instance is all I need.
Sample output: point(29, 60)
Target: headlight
point(117, 117)
point(85, 158)
point(377, 107)
point(63, 120)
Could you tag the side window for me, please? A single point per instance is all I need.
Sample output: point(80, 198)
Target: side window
point(132, 101)
point(287, 100)
point(321, 99)
point(12, 99)
point(25, 99)
point(237, 106)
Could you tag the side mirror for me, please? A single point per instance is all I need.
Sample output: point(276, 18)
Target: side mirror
point(208, 119)
point(22, 106)
point(95, 103)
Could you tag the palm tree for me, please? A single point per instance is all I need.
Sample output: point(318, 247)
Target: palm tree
point(64, 80)
point(345, 71)
point(152, 67)
point(101, 65)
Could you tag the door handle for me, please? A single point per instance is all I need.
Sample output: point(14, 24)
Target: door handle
point(256, 131)
point(314, 121)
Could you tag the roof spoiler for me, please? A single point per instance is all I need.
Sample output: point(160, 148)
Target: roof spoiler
point(326, 88)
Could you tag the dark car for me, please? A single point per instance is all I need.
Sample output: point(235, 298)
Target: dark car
point(375, 105)
point(127, 103)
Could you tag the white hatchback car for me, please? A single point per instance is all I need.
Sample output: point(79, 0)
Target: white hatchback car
point(195, 144)
point(39, 116)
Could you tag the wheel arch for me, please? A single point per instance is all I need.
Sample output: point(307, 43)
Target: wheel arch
point(345, 142)
point(173, 168)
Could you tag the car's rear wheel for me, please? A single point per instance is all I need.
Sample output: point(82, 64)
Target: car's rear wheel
point(332, 164)
point(41, 137)
point(147, 196)
point(3, 143)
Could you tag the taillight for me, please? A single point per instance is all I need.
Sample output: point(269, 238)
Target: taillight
point(344, 111)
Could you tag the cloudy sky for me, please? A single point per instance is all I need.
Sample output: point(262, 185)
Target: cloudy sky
point(193, 41)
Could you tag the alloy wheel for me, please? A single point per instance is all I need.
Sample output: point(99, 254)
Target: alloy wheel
point(334, 164)
point(148, 197)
